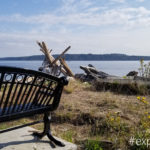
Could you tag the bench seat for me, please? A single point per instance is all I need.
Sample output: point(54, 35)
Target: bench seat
point(25, 93)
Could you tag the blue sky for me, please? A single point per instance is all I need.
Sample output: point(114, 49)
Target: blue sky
point(89, 26)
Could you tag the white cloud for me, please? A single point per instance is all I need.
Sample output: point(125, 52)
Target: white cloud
point(118, 1)
point(125, 17)
point(140, 0)
point(110, 41)
point(82, 25)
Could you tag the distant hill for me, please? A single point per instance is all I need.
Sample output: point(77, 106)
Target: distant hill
point(83, 57)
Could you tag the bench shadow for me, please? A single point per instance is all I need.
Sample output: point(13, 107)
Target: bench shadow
point(34, 140)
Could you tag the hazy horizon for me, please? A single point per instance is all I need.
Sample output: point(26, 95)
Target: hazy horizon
point(80, 54)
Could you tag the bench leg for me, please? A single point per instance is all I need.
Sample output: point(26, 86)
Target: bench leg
point(37, 134)
point(47, 130)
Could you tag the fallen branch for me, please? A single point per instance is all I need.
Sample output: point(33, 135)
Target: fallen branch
point(66, 67)
point(60, 56)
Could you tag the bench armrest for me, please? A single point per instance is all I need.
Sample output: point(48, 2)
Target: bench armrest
point(64, 80)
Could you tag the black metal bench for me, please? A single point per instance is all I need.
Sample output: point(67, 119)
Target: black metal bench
point(25, 93)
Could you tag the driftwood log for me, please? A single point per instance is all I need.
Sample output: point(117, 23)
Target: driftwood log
point(132, 73)
point(91, 74)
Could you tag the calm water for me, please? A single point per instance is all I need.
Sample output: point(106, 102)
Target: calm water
point(119, 68)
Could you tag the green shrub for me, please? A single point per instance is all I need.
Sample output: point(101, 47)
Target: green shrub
point(122, 88)
point(93, 145)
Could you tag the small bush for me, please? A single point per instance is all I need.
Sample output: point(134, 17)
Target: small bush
point(68, 90)
point(93, 145)
point(68, 136)
point(122, 88)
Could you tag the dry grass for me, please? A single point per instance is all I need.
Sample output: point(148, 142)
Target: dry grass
point(87, 114)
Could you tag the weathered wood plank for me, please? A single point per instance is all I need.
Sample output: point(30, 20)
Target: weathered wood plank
point(66, 67)
point(60, 56)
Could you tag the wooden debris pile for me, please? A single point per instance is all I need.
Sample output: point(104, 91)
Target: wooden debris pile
point(92, 74)
point(54, 66)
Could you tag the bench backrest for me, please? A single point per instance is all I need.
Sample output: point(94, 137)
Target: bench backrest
point(26, 92)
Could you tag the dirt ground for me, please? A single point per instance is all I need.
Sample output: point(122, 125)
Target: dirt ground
point(86, 114)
